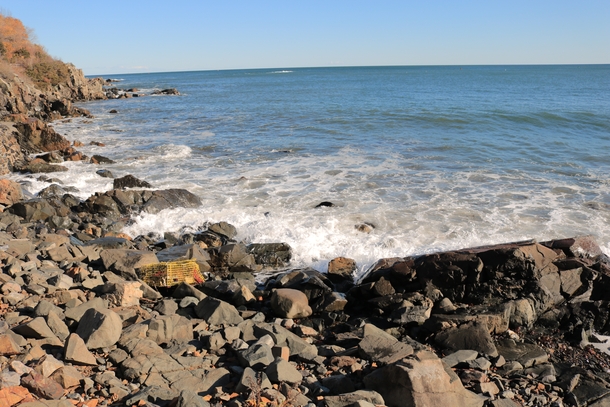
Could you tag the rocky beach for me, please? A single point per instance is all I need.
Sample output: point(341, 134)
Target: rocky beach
point(84, 323)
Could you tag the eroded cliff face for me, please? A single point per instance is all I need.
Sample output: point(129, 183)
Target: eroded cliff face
point(25, 111)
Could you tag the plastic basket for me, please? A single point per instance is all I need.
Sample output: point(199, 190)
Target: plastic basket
point(171, 273)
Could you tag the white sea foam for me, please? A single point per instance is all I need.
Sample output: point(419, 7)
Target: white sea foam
point(282, 71)
point(421, 195)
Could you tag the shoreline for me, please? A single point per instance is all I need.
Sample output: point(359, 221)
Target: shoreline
point(500, 325)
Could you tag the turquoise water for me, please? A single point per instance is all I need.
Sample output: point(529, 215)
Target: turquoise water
point(436, 157)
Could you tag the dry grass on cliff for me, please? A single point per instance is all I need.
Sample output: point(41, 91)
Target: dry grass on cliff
point(19, 55)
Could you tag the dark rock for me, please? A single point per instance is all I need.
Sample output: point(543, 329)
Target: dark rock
point(129, 181)
point(471, 336)
point(100, 159)
point(104, 173)
point(33, 210)
point(325, 204)
point(271, 254)
point(169, 91)
point(223, 228)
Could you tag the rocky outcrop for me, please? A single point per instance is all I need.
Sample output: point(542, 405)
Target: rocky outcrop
point(10, 150)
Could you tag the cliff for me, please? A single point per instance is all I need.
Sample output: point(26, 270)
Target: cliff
point(34, 90)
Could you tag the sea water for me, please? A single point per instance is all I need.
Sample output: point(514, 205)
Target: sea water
point(436, 158)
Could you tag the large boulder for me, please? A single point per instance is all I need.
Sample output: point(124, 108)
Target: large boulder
point(290, 303)
point(421, 381)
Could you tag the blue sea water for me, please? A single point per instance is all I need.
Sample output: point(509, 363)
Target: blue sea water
point(436, 158)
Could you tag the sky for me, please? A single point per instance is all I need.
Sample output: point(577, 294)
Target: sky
point(129, 36)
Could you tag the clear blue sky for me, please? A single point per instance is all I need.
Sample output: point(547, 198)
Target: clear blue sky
point(111, 36)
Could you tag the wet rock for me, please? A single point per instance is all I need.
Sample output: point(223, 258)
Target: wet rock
point(231, 258)
point(100, 159)
point(105, 173)
point(129, 181)
point(271, 254)
point(169, 91)
point(325, 204)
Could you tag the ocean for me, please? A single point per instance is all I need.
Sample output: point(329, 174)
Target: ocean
point(436, 158)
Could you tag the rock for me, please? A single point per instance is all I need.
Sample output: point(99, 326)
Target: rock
point(223, 228)
point(217, 312)
point(525, 353)
point(460, 357)
point(100, 159)
point(129, 181)
point(125, 261)
point(166, 307)
point(76, 313)
point(325, 204)
point(348, 399)
point(75, 351)
point(251, 380)
point(282, 371)
point(37, 328)
point(105, 173)
point(170, 328)
point(580, 246)
point(379, 346)
point(186, 252)
point(33, 210)
point(43, 386)
point(153, 394)
point(472, 336)
point(124, 294)
point(289, 303)
point(271, 254)
point(421, 381)
point(8, 346)
point(100, 328)
point(169, 199)
point(188, 398)
point(257, 356)
point(170, 91)
point(67, 376)
point(338, 384)
point(341, 268)
point(524, 314)
point(183, 290)
point(10, 192)
point(231, 258)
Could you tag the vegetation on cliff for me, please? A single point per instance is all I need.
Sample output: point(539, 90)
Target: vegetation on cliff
point(19, 55)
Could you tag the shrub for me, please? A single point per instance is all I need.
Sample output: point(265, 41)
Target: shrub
point(47, 73)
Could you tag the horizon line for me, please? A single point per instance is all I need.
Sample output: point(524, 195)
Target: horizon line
point(344, 66)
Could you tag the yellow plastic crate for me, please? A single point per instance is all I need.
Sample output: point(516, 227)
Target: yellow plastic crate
point(171, 273)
